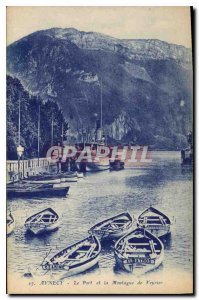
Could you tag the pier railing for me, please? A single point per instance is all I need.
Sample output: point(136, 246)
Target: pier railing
point(26, 167)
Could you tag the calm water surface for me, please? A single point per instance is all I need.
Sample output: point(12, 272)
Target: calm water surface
point(162, 183)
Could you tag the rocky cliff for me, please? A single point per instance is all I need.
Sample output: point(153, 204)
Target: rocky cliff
point(146, 84)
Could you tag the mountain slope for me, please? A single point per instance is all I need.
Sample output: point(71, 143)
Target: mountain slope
point(29, 121)
point(146, 84)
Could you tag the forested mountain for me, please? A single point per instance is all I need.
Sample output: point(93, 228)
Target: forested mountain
point(29, 121)
point(146, 84)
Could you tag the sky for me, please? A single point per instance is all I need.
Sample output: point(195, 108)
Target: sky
point(170, 24)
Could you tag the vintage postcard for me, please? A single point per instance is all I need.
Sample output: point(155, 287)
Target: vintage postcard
point(99, 150)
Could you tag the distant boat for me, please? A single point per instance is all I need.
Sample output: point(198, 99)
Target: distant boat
point(75, 259)
point(155, 222)
point(10, 223)
point(103, 163)
point(116, 165)
point(43, 221)
point(95, 167)
point(187, 154)
point(35, 190)
point(114, 227)
point(139, 251)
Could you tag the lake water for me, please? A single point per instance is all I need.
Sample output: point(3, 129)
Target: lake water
point(162, 183)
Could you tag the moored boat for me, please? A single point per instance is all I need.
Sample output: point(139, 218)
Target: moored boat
point(114, 227)
point(155, 222)
point(139, 251)
point(116, 165)
point(68, 179)
point(35, 190)
point(62, 184)
point(10, 223)
point(43, 221)
point(80, 174)
point(41, 180)
point(53, 178)
point(187, 154)
point(96, 167)
point(74, 259)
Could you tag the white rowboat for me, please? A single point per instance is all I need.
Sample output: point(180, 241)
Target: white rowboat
point(10, 223)
point(114, 227)
point(155, 222)
point(74, 259)
point(139, 251)
point(44, 221)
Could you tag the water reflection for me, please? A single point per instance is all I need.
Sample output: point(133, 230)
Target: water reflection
point(167, 241)
point(44, 237)
point(163, 184)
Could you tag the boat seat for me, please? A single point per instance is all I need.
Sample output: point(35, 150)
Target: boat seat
point(70, 263)
point(82, 251)
point(154, 224)
point(90, 251)
point(72, 259)
point(121, 223)
point(143, 251)
point(139, 244)
point(113, 225)
point(138, 252)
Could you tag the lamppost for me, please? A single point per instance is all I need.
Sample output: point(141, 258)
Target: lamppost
point(38, 140)
point(20, 151)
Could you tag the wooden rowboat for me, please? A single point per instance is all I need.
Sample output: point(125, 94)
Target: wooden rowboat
point(74, 259)
point(155, 222)
point(48, 178)
point(68, 179)
point(10, 223)
point(96, 167)
point(114, 227)
point(43, 221)
point(35, 190)
point(139, 251)
point(42, 180)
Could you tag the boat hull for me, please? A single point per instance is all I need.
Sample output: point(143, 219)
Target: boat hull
point(80, 175)
point(51, 178)
point(10, 228)
point(42, 229)
point(61, 185)
point(116, 165)
point(72, 179)
point(92, 167)
point(84, 255)
point(42, 193)
point(44, 181)
point(108, 235)
point(139, 251)
point(77, 270)
point(161, 226)
point(103, 229)
point(158, 232)
point(139, 268)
